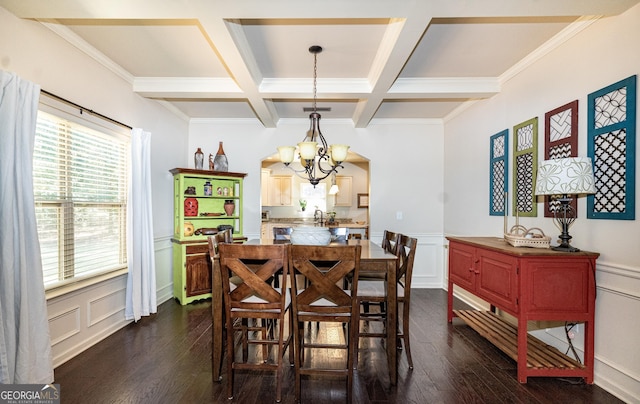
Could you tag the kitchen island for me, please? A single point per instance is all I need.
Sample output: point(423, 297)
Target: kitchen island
point(354, 228)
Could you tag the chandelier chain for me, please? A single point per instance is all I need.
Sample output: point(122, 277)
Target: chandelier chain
point(315, 155)
point(315, 81)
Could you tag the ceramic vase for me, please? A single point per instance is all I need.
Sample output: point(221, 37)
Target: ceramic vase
point(220, 162)
point(191, 207)
point(229, 207)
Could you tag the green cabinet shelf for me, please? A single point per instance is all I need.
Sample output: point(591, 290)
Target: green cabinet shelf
point(201, 201)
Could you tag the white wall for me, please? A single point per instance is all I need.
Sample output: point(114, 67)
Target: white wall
point(602, 54)
point(80, 319)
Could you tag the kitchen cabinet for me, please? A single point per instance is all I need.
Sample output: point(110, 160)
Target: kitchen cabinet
point(265, 177)
point(280, 190)
point(531, 284)
point(344, 196)
point(200, 198)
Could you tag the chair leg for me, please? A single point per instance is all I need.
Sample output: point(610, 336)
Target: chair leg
point(280, 372)
point(265, 332)
point(353, 338)
point(230, 359)
point(245, 338)
point(357, 338)
point(297, 360)
point(291, 342)
point(301, 341)
point(405, 332)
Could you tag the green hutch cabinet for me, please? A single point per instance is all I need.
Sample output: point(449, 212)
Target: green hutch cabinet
point(204, 202)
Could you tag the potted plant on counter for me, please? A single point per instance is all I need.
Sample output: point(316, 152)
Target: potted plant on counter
point(303, 204)
point(332, 217)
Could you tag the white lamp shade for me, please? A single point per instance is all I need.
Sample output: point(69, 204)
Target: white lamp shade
point(339, 152)
point(286, 153)
point(308, 150)
point(568, 176)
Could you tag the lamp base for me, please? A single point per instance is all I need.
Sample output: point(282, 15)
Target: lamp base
point(564, 219)
point(567, 248)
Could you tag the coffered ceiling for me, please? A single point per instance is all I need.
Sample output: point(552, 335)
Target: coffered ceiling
point(382, 59)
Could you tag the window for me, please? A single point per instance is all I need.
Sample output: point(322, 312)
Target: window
point(80, 187)
point(316, 197)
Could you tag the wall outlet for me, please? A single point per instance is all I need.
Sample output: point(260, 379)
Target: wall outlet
point(399, 215)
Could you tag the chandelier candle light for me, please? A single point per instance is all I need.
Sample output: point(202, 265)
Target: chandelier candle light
point(566, 176)
point(318, 161)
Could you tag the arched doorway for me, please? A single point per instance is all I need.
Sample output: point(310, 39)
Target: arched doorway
point(283, 191)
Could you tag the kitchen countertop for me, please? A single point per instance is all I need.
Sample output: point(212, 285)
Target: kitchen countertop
point(311, 222)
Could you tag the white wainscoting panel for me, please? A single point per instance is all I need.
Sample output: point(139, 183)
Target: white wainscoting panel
point(104, 306)
point(617, 355)
point(64, 325)
point(97, 312)
point(83, 317)
point(428, 267)
point(164, 269)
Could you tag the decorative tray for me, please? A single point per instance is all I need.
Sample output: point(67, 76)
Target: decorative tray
point(520, 236)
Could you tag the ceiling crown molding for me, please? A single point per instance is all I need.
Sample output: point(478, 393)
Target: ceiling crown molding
point(71, 37)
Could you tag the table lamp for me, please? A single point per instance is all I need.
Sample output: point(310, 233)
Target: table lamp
point(565, 176)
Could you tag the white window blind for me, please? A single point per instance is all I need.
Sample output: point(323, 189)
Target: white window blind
point(80, 187)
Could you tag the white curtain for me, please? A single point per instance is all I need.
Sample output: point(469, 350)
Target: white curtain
point(141, 283)
point(25, 345)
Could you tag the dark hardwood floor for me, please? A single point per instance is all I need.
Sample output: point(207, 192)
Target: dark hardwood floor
point(166, 358)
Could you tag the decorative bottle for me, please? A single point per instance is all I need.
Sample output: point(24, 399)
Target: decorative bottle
point(198, 158)
point(220, 162)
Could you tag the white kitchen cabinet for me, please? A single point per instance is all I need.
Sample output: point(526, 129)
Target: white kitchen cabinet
point(265, 179)
point(280, 190)
point(344, 196)
point(275, 190)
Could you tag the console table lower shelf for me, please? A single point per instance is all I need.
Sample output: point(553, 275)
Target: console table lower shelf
point(540, 356)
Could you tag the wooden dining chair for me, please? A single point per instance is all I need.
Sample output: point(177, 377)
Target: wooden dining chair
point(217, 329)
point(254, 298)
point(390, 241)
point(321, 299)
point(374, 291)
point(282, 233)
point(389, 244)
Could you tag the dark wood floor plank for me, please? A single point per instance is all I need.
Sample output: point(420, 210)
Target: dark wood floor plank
point(166, 358)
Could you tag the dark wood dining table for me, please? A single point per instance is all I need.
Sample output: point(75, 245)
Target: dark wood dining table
point(373, 258)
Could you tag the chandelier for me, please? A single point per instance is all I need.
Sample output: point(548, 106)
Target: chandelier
point(318, 160)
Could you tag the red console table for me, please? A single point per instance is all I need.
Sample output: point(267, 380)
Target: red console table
point(529, 284)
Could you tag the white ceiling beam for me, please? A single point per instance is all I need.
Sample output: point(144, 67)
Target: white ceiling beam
point(187, 87)
point(234, 51)
point(303, 88)
point(399, 41)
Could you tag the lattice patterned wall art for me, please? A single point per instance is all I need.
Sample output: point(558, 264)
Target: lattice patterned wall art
point(498, 173)
point(561, 140)
point(611, 126)
point(525, 158)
